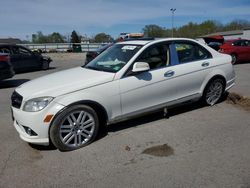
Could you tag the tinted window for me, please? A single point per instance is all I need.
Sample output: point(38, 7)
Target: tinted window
point(24, 51)
point(239, 43)
point(4, 50)
point(188, 52)
point(21, 51)
point(156, 56)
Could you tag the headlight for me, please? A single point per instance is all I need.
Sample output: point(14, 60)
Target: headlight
point(36, 104)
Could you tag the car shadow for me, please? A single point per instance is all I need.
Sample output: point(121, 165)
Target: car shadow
point(155, 116)
point(4, 84)
point(42, 147)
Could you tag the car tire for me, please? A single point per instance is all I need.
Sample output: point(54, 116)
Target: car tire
point(75, 127)
point(45, 65)
point(213, 91)
point(234, 58)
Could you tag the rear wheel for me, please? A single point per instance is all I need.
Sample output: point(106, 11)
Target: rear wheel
point(214, 91)
point(76, 127)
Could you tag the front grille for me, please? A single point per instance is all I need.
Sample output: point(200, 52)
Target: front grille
point(16, 100)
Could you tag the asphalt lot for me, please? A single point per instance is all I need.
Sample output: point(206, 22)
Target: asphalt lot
point(197, 146)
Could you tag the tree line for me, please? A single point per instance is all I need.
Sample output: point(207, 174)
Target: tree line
point(194, 30)
point(75, 37)
point(190, 30)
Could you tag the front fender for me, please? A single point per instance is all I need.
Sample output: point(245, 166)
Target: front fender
point(106, 95)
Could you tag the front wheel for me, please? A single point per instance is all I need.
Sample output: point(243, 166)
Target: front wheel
point(45, 65)
point(76, 127)
point(213, 91)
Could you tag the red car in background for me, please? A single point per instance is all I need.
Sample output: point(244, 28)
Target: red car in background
point(239, 49)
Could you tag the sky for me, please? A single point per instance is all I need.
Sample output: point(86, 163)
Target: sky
point(22, 18)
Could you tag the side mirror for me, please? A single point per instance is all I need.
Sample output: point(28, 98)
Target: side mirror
point(140, 67)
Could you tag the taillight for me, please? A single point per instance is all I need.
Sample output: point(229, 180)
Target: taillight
point(4, 58)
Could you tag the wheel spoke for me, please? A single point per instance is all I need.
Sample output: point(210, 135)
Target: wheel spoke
point(87, 122)
point(65, 131)
point(79, 139)
point(68, 138)
point(70, 121)
point(84, 135)
point(88, 125)
point(75, 140)
point(72, 116)
point(80, 117)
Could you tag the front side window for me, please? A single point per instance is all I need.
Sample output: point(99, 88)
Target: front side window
point(188, 52)
point(156, 56)
point(114, 58)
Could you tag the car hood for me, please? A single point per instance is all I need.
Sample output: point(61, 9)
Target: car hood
point(64, 82)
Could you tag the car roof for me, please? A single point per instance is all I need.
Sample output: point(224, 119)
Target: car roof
point(144, 42)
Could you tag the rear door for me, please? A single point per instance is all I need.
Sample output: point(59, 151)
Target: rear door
point(194, 64)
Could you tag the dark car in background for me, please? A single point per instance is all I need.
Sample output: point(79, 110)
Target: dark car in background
point(93, 54)
point(23, 59)
point(6, 69)
point(239, 49)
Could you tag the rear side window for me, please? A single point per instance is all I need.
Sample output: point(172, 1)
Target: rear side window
point(24, 51)
point(188, 52)
point(20, 51)
point(240, 43)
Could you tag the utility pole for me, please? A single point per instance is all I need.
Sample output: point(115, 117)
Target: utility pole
point(173, 10)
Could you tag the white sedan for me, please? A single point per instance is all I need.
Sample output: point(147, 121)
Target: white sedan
point(129, 79)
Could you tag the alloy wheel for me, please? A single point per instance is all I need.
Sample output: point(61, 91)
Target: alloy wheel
point(214, 92)
point(77, 128)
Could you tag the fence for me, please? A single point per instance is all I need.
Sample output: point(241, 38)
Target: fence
point(63, 47)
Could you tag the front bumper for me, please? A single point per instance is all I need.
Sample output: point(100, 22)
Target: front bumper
point(34, 121)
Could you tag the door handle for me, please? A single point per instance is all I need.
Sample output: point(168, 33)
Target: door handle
point(205, 64)
point(169, 73)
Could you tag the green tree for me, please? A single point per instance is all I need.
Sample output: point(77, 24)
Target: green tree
point(103, 37)
point(56, 38)
point(154, 31)
point(74, 37)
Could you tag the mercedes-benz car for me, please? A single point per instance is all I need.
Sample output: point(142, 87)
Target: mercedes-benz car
point(131, 78)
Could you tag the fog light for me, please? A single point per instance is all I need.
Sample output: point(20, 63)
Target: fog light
point(29, 131)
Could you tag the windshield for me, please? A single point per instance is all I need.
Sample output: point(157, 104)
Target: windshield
point(114, 58)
